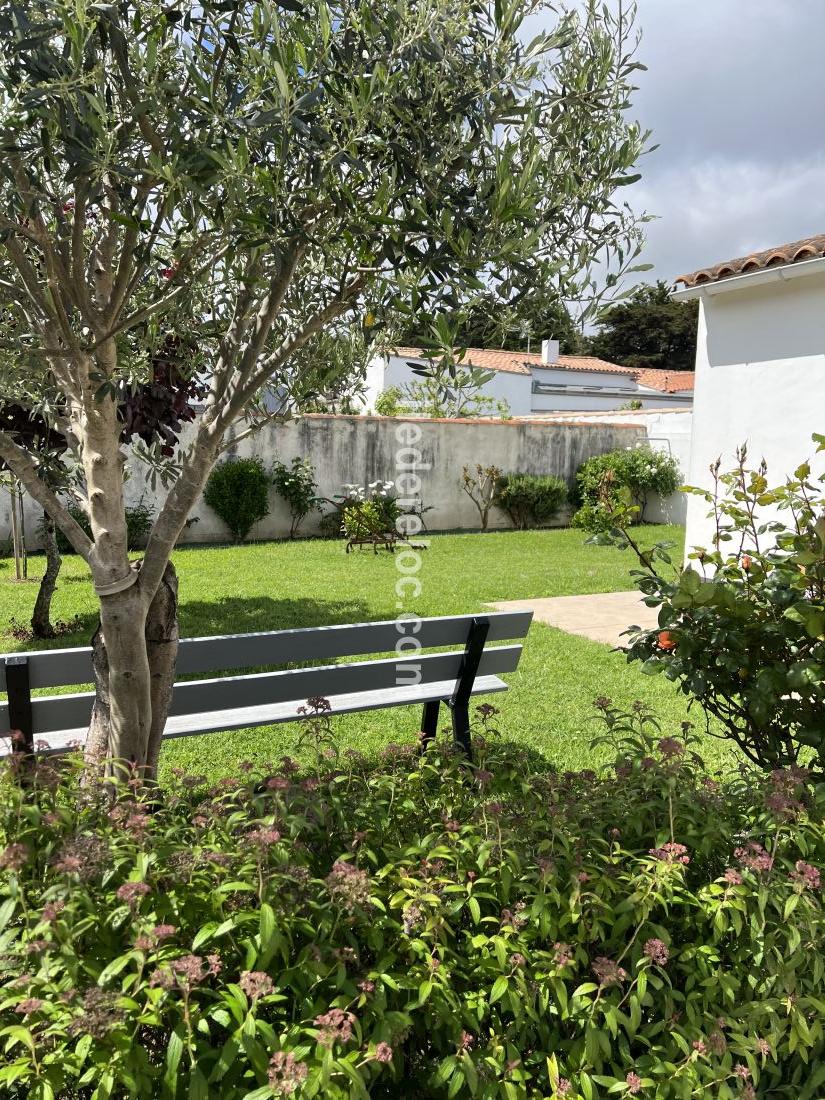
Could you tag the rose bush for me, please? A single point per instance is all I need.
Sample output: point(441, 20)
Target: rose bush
point(741, 629)
point(416, 926)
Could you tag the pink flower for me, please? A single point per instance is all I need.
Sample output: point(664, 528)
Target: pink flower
point(286, 1074)
point(383, 1052)
point(563, 1087)
point(349, 886)
point(754, 857)
point(517, 960)
point(699, 1046)
point(131, 892)
point(732, 876)
point(467, 1040)
point(671, 853)
point(563, 954)
point(634, 1083)
point(264, 837)
point(366, 987)
point(741, 1070)
point(763, 1046)
point(806, 876)
point(51, 911)
point(335, 1027)
point(608, 971)
point(255, 984)
point(14, 857)
point(669, 746)
point(657, 952)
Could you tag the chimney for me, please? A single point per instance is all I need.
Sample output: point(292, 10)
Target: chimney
point(549, 351)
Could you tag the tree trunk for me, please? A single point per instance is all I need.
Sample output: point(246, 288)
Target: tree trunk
point(134, 656)
point(41, 617)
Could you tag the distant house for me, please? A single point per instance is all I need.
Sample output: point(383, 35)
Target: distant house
point(533, 383)
point(760, 363)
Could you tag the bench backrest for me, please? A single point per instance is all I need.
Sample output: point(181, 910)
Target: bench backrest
point(230, 653)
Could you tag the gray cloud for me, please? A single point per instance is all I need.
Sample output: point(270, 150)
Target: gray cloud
point(735, 96)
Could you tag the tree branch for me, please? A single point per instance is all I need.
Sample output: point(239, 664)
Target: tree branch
point(25, 469)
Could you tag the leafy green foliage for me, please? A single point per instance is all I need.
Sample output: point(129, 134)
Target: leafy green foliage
point(742, 628)
point(446, 388)
point(530, 500)
point(421, 927)
point(606, 484)
point(648, 329)
point(139, 519)
point(238, 490)
point(369, 512)
point(491, 321)
point(296, 484)
point(388, 402)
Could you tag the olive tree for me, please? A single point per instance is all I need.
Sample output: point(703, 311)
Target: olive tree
point(244, 175)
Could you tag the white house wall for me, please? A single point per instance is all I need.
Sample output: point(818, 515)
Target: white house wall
point(760, 380)
point(506, 386)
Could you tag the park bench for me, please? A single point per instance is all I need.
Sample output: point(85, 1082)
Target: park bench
point(225, 701)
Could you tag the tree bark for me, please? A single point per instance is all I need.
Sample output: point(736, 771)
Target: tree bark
point(134, 656)
point(41, 616)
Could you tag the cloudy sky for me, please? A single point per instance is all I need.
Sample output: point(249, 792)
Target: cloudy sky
point(735, 96)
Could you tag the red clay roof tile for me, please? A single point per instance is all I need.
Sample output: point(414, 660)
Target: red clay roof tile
point(809, 248)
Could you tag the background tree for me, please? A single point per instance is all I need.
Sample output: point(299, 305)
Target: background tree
point(489, 322)
point(648, 329)
point(243, 175)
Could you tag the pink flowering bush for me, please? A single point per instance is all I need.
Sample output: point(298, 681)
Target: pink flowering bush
point(417, 927)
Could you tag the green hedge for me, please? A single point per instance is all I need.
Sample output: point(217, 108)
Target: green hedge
point(238, 490)
point(530, 500)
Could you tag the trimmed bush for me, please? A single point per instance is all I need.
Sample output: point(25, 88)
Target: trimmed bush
point(238, 490)
point(604, 481)
point(417, 927)
point(530, 500)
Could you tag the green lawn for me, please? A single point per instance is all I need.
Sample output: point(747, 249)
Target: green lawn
point(267, 586)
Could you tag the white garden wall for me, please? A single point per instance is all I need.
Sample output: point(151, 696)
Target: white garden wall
point(361, 449)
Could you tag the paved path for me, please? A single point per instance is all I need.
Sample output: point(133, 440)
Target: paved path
point(602, 616)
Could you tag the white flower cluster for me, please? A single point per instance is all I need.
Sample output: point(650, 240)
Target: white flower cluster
point(375, 489)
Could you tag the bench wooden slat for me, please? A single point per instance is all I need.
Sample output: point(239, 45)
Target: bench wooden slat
point(59, 712)
point(272, 714)
point(62, 667)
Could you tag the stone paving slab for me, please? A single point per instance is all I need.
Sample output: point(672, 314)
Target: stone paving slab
point(602, 616)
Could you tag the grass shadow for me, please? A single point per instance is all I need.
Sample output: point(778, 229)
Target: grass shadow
point(250, 614)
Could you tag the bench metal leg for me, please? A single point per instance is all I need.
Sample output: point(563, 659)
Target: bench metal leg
point(460, 702)
point(20, 703)
point(429, 721)
point(461, 728)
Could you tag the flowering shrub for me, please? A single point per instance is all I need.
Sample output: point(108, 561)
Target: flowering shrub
point(605, 481)
point(369, 512)
point(417, 927)
point(296, 484)
point(742, 628)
